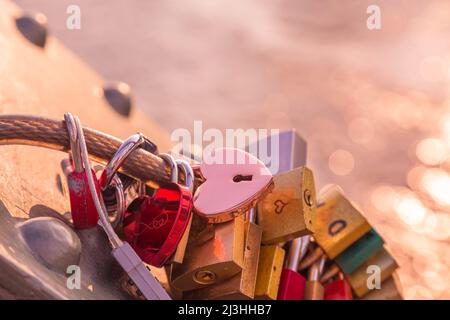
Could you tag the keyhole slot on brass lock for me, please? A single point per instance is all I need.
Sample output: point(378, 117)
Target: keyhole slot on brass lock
point(205, 277)
point(240, 177)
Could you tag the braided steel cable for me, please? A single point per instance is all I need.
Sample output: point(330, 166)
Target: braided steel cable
point(48, 133)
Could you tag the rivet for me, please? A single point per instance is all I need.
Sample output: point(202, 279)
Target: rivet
point(34, 28)
point(119, 97)
point(205, 277)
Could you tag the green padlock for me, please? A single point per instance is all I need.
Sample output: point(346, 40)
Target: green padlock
point(355, 255)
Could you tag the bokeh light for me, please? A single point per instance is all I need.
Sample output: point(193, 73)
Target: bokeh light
point(360, 130)
point(431, 151)
point(410, 210)
point(341, 162)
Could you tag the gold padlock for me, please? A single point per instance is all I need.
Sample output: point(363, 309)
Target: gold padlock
point(381, 262)
point(289, 211)
point(314, 289)
point(271, 261)
point(339, 224)
point(242, 285)
point(290, 149)
point(391, 289)
point(211, 261)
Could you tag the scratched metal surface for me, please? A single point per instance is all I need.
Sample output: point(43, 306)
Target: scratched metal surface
point(372, 96)
point(49, 82)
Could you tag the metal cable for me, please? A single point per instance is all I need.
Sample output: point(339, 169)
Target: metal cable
point(53, 134)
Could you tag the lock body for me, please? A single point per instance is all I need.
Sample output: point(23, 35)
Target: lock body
point(360, 251)
point(178, 256)
point(289, 211)
point(314, 290)
point(292, 285)
point(380, 265)
point(270, 266)
point(390, 290)
point(155, 225)
point(339, 224)
point(84, 213)
point(242, 285)
point(338, 290)
point(214, 260)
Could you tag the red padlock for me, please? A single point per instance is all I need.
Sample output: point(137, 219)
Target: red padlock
point(338, 289)
point(154, 226)
point(336, 286)
point(292, 283)
point(84, 212)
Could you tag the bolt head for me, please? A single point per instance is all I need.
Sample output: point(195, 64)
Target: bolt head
point(33, 28)
point(119, 97)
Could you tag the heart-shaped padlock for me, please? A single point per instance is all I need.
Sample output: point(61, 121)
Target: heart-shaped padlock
point(235, 181)
point(154, 226)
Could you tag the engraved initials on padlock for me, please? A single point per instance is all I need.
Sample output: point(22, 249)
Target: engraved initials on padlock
point(289, 211)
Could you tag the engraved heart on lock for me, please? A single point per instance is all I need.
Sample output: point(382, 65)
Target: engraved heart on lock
point(235, 181)
point(155, 225)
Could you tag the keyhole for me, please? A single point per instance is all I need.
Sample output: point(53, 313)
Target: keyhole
point(241, 177)
point(205, 277)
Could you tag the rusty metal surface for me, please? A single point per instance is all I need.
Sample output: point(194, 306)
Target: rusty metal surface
point(50, 81)
point(308, 64)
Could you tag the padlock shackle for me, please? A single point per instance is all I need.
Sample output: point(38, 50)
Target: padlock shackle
point(330, 273)
point(251, 215)
point(316, 270)
point(188, 173)
point(126, 148)
point(73, 140)
point(296, 252)
point(170, 160)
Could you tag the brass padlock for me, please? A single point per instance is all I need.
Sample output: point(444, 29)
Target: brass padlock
point(391, 289)
point(289, 211)
point(271, 261)
point(212, 261)
point(381, 261)
point(290, 149)
point(314, 289)
point(339, 224)
point(242, 285)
